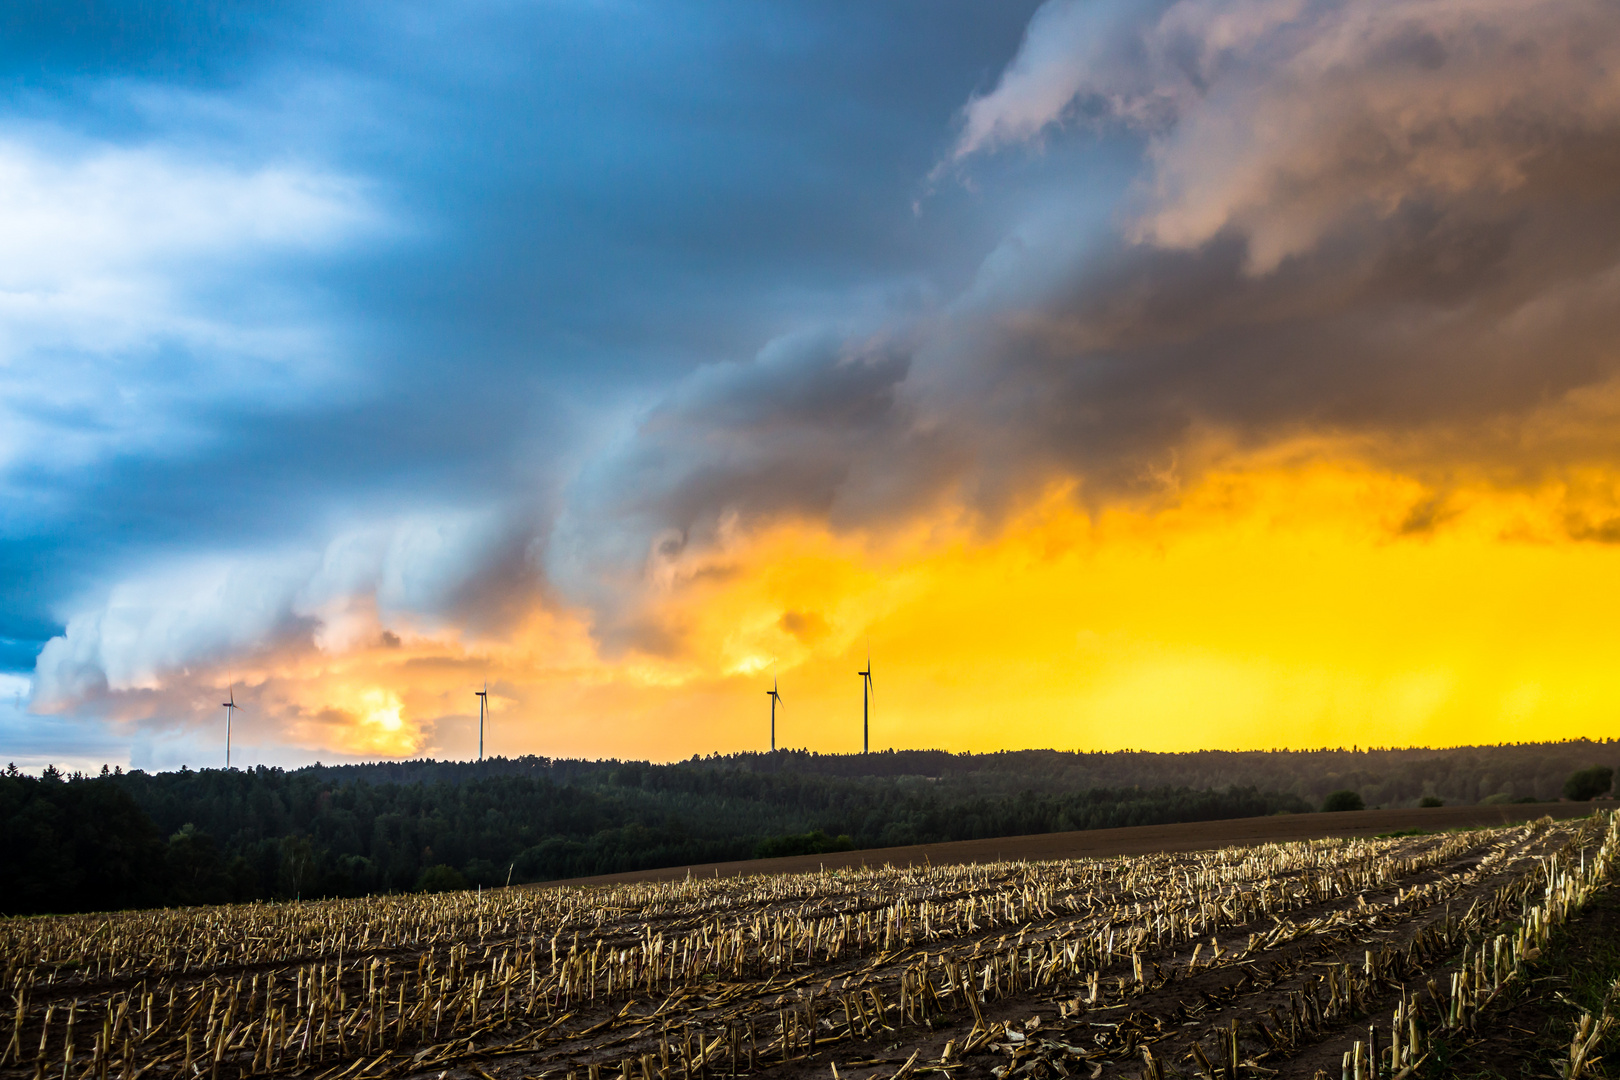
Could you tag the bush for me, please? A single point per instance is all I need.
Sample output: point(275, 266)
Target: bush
point(810, 843)
point(1430, 800)
point(486, 873)
point(440, 878)
point(1589, 783)
point(1343, 800)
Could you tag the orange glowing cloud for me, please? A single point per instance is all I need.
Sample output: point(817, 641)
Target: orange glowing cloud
point(1297, 598)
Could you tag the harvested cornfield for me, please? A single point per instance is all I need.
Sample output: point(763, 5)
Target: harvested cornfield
point(1281, 960)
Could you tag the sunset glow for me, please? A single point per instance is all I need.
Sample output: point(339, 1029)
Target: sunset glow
point(1115, 375)
point(1298, 600)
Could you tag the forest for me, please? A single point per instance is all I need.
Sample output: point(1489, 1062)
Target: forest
point(126, 839)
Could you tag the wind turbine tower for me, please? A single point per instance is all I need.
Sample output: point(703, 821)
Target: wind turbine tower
point(229, 706)
point(775, 700)
point(866, 706)
point(483, 700)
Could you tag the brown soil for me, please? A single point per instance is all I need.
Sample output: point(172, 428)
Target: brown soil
point(1191, 1005)
point(1532, 1028)
point(1240, 981)
point(1136, 840)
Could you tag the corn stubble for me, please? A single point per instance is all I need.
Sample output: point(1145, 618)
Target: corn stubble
point(1242, 962)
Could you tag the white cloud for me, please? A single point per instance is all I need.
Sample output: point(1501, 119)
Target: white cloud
point(119, 312)
point(200, 611)
point(14, 688)
point(32, 742)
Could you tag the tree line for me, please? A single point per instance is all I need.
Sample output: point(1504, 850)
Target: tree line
point(134, 839)
point(119, 840)
point(1381, 776)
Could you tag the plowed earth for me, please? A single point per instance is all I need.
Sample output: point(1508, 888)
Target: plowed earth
point(1267, 960)
point(1131, 840)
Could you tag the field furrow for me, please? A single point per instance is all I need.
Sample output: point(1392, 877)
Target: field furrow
point(1276, 960)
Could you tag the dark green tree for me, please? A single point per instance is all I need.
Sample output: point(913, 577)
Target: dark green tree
point(297, 865)
point(1587, 784)
point(193, 870)
point(74, 846)
point(1344, 799)
point(440, 878)
point(814, 842)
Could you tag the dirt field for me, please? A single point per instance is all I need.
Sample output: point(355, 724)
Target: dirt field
point(1253, 961)
point(1138, 840)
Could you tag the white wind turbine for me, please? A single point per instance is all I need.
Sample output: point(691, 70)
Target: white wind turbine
point(776, 699)
point(230, 706)
point(483, 701)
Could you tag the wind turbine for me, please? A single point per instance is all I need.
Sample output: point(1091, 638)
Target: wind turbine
point(776, 699)
point(229, 707)
point(483, 700)
point(866, 708)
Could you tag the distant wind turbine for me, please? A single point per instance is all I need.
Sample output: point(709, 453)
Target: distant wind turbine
point(229, 706)
point(866, 708)
point(483, 700)
point(776, 699)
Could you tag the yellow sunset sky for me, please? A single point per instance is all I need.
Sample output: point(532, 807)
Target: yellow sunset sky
point(1300, 600)
point(1172, 376)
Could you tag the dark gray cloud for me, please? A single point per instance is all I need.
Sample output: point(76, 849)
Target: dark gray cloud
point(1380, 220)
point(1366, 217)
point(795, 433)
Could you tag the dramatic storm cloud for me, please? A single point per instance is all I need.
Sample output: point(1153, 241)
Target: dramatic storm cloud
point(1374, 219)
point(618, 356)
point(1374, 215)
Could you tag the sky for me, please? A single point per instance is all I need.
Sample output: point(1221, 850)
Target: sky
point(1163, 375)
